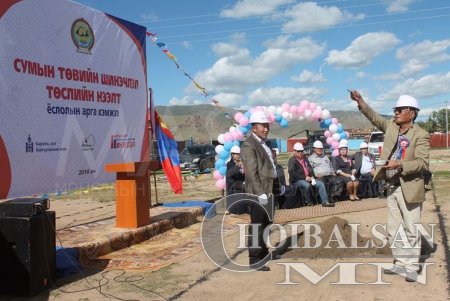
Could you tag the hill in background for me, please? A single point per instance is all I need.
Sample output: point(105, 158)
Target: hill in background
point(206, 122)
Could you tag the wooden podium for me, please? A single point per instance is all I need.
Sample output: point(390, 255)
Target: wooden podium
point(133, 197)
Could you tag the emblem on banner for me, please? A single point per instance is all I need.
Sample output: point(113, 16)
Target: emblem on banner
point(82, 36)
point(88, 143)
point(29, 146)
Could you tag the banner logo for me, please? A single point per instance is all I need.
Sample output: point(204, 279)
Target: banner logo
point(88, 143)
point(122, 141)
point(29, 145)
point(82, 36)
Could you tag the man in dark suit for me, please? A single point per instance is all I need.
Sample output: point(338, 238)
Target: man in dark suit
point(260, 172)
point(301, 175)
point(406, 154)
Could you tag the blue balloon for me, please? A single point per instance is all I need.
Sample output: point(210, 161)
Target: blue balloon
point(219, 163)
point(278, 118)
point(227, 146)
point(243, 129)
point(284, 123)
point(223, 170)
point(327, 122)
point(323, 125)
point(343, 135)
point(248, 126)
point(223, 154)
point(340, 128)
point(247, 114)
point(236, 142)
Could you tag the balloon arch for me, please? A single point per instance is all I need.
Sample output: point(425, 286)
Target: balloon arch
point(306, 110)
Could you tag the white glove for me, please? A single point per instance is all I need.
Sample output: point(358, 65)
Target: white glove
point(283, 189)
point(262, 199)
point(313, 181)
point(353, 178)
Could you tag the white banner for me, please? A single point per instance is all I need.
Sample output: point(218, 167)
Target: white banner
point(73, 96)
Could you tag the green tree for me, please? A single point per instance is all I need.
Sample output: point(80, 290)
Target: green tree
point(436, 122)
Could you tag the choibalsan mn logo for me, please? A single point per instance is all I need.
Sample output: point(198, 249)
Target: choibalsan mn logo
point(82, 36)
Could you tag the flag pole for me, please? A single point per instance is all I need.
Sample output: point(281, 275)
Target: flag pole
point(152, 131)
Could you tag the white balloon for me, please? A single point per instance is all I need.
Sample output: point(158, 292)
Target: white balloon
point(344, 141)
point(307, 114)
point(279, 110)
point(219, 148)
point(333, 128)
point(301, 118)
point(285, 115)
point(289, 116)
point(272, 109)
point(221, 139)
point(336, 136)
point(325, 114)
point(232, 129)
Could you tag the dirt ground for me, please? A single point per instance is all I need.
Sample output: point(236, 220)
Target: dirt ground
point(198, 278)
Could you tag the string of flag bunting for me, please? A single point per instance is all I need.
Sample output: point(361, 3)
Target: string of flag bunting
point(173, 58)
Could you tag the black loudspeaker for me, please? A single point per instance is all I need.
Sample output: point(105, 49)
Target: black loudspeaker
point(27, 253)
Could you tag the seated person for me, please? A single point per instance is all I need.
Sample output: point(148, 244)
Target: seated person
point(344, 168)
point(324, 171)
point(301, 175)
point(365, 169)
point(235, 178)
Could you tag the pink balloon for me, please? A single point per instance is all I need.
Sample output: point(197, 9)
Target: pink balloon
point(335, 153)
point(238, 116)
point(272, 117)
point(327, 134)
point(217, 175)
point(312, 106)
point(285, 107)
point(293, 109)
point(334, 120)
point(236, 135)
point(348, 134)
point(243, 121)
point(316, 114)
point(220, 184)
point(304, 104)
point(239, 135)
point(227, 137)
point(330, 140)
point(301, 110)
point(335, 145)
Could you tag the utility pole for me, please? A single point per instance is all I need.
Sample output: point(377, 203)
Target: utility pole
point(446, 120)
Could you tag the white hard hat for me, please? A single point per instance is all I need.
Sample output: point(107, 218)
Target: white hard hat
point(343, 144)
point(298, 146)
point(317, 144)
point(259, 117)
point(407, 101)
point(363, 145)
point(235, 149)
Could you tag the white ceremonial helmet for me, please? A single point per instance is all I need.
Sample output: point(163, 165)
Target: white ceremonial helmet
point(235, 150)
point(317, 144)
point(259, 117)
point(407, 101)
point(363, 145)
point(298, 146)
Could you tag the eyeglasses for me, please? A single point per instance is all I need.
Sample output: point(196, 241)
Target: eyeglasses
point(400, 109)
point(299, 151)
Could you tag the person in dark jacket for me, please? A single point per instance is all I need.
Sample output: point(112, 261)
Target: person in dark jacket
point(301, 175)
point(235, 178)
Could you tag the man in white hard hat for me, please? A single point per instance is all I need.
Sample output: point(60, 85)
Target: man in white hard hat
point(324, 171)
point(235, 178)
point(365, 169)
point(406, 154)
point(260, 172)
point(301, 175)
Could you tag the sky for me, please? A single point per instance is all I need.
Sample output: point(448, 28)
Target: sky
point(248, 53)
